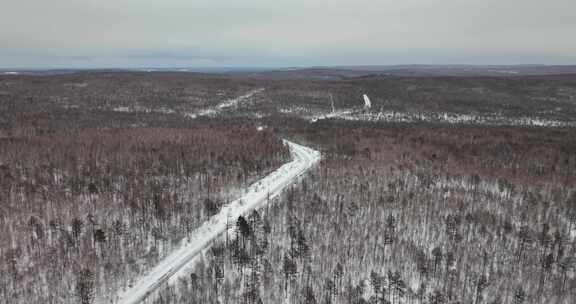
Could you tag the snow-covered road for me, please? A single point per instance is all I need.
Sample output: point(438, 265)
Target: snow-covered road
point(303, 158)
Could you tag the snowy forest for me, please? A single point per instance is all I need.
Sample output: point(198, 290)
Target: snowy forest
point(105, 175)
point(407, 215)
point(79, 207)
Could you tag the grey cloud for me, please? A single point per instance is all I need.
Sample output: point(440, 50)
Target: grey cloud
point(295, 32)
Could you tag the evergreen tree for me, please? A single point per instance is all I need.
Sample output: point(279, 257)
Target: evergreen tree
point(85, 286)
point(309, 297)
point(519, 296)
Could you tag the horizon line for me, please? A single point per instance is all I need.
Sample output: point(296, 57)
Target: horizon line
point(270, 67)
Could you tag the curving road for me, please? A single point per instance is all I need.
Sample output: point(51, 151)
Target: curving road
point(303, 158)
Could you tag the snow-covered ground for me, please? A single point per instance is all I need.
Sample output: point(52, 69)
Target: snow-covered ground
point(457, 118)
point(442, 117)
point(140, 109)
point(256, 195)
point(225, 104)
point(365, 114)
point(335, 114)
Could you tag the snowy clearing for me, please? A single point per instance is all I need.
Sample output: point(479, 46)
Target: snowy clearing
point(225, 104)
point(140, 109)
point(442, 117)
point(257, 194)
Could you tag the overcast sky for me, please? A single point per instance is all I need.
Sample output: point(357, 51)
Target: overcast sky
point(205, 33)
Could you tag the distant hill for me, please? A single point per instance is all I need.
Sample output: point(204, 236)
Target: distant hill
point(336, 72)
point(343, 72)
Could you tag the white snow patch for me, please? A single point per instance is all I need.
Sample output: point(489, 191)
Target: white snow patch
point(337, 114)
point(445, 117)
point(508, 72)
point(122, 109)
point(367, 103)
point(140, 109)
